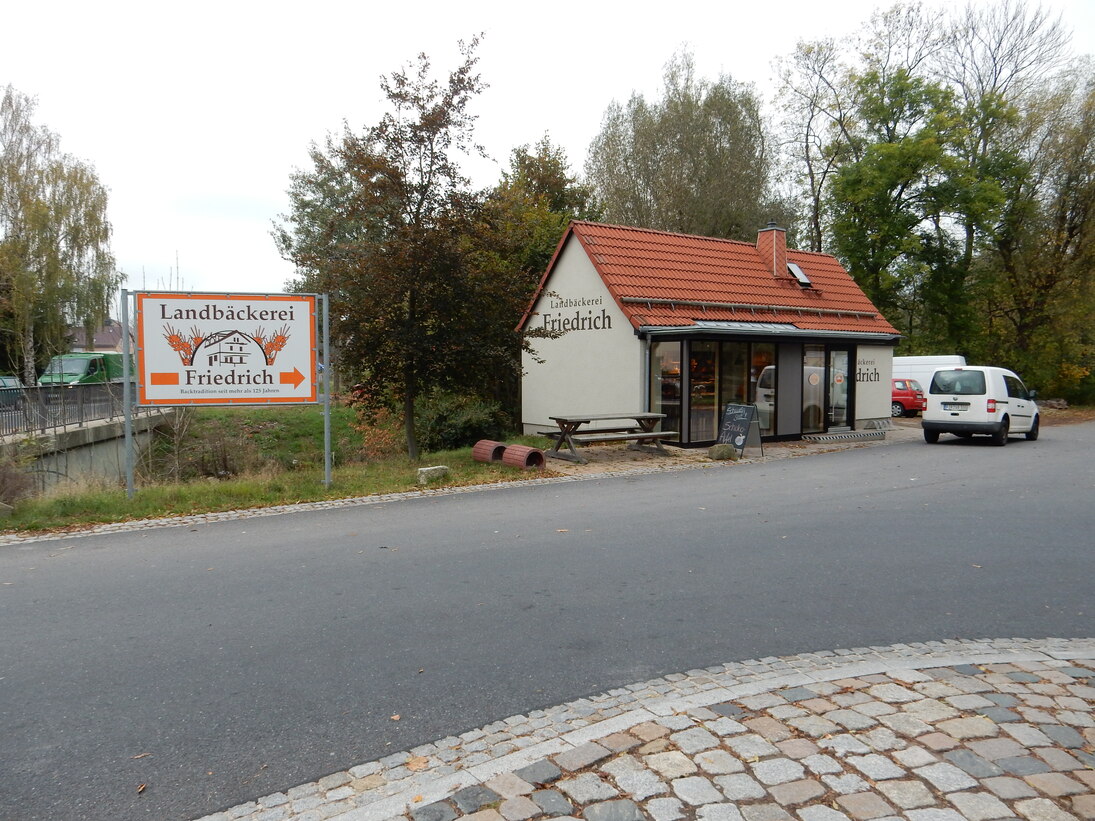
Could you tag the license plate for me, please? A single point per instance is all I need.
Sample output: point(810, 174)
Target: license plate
point(953, 406)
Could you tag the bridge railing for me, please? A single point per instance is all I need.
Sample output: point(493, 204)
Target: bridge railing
point(43, 409)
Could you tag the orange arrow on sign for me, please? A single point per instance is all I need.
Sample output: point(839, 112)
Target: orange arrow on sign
point(165, 378)
point(293, 377)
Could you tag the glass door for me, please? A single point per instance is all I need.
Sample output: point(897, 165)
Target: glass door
point(838, 404)
point(665, 383)
point(813, 388)
point(703, 409)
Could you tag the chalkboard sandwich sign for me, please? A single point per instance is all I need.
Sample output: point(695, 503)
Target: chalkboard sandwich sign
point(738, 425)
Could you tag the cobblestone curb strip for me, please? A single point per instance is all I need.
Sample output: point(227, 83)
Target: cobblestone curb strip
point(934, 731)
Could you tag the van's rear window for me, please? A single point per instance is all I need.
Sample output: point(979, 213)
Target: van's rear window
point(958, 382)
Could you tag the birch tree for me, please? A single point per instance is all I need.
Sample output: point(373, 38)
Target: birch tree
point(56, 267)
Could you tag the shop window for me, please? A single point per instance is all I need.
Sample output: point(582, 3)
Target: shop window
point(762, 384)
point(665, 383)
point(703, 408)
point(734, 383)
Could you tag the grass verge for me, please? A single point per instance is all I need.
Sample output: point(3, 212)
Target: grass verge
point(252, 458)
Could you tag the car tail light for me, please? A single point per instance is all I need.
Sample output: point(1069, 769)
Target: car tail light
point(992, 406)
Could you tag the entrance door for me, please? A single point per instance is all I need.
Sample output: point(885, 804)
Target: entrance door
point(838, 403)
point(813, 388)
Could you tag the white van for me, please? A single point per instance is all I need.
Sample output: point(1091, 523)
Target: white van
point(979, 400)
point(921, 368)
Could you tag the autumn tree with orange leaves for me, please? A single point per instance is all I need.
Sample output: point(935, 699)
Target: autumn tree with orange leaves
point(382, 224)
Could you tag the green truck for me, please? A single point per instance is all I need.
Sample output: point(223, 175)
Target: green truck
point(82, 369)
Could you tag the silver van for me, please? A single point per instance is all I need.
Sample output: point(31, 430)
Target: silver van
point(976, 399)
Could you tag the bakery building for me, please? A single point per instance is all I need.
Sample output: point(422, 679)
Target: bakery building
point(644, 320)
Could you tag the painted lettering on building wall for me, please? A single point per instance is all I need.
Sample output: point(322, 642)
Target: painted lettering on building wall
point(586, 318)
point(867, 370)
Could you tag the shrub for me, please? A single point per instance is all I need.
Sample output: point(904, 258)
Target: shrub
point(379, 425)
point(15, 482)
point(445, 421)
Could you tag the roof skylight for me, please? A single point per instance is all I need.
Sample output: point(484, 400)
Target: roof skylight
point(800, 275)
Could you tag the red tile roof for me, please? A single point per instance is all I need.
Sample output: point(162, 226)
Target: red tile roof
point(675, 280)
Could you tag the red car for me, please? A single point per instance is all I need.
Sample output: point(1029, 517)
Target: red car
point(907, 398)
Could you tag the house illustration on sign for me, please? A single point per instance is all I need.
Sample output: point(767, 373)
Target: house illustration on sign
point(227, 348)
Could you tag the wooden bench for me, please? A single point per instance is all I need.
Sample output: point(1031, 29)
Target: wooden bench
point(556, 434)
point(622, 436)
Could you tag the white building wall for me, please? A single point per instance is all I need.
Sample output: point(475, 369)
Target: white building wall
point(874, 364)
point(580, 374)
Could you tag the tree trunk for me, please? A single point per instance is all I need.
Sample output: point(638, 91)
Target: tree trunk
point(408, 415)
point(26, 342)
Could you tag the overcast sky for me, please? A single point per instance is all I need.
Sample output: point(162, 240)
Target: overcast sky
point(195, 115)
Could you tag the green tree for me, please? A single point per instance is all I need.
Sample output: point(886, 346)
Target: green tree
point(525, 215)
point(517, 231)
point(696, 161)
point(883, 197)
point(1036, 276)
point(903, 150)
point(56, 268)
point(996, 59)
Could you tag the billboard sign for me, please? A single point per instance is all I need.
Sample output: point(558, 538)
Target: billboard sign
point(226, 349)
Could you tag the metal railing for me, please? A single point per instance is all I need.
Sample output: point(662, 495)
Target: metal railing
point(44, 409)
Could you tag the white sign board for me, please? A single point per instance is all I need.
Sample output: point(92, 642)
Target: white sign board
point(224, 349)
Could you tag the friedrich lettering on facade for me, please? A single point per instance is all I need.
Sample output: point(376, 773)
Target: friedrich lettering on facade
point(864, 375)
point(577, 321)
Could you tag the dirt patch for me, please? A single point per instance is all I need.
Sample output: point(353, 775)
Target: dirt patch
point(617, 458)
point(621, 459)
point(1066, 416)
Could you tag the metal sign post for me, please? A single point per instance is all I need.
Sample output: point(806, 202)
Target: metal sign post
point(127, 398)
point(326, 393)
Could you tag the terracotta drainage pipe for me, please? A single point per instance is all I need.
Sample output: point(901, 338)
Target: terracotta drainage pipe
point(487, 450)
point(522, 456)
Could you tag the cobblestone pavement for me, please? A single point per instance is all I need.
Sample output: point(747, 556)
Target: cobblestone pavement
point(935, 731)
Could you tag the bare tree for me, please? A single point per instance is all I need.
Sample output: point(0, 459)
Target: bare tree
point(816, 118)
point(1003, 50)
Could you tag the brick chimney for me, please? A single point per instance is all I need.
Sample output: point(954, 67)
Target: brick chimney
point(772, 247)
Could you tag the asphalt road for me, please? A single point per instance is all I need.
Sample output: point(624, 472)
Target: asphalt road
point(218, 663)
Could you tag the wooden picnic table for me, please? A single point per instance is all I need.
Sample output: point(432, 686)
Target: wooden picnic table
point(636, 428)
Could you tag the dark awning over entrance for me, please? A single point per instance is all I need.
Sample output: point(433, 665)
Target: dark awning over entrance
point(762, 329)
